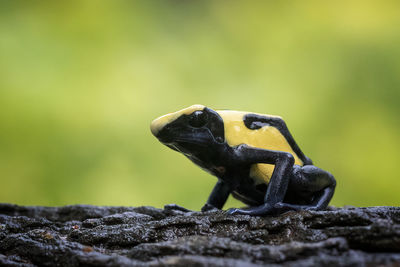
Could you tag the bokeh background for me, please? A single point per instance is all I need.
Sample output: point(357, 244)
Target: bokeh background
point(80, 82)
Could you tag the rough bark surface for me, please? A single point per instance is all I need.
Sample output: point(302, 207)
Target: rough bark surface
point(145, 236)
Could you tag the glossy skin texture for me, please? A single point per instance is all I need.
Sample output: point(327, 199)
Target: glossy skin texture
point(254, 157)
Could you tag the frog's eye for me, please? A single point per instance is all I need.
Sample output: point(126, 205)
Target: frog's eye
point(198, 119)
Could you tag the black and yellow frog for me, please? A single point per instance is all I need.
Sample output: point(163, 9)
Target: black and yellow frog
point(254, 157)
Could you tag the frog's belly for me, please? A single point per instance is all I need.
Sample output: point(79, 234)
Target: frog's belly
point(261, 173)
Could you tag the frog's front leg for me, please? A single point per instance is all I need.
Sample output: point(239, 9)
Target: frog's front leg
point(278, 184)
point(218, 196)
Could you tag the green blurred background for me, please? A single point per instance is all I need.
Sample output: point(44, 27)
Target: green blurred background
point(81, 81)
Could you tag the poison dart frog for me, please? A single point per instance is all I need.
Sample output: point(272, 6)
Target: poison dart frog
point(254, 157)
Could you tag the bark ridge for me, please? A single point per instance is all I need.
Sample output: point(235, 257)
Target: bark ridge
point(83, 235)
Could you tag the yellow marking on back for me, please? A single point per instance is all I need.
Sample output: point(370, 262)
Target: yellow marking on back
point(160, 122)
point(267, 137)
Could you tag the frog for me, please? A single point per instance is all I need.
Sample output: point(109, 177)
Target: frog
point(253, 156)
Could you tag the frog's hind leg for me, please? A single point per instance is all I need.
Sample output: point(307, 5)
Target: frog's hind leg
point(310, 180)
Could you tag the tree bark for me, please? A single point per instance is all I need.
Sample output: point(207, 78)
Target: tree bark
point(84, 235)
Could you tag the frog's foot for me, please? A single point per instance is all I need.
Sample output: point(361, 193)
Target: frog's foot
point(264, 209)
point(208, 207)
point(283, 207)
point(175, 207)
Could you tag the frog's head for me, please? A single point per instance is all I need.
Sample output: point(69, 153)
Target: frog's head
point(192, 131)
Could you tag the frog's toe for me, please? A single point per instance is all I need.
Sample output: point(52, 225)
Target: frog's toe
point(233, 211)
point(287, 206)
point(311, 208)
point(265, 209)
point(208, 207)
point(242, 212)
point(279, 205)
point(283, 207)
point(175, 207)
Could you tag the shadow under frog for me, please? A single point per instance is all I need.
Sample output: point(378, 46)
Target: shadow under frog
point(254, 157)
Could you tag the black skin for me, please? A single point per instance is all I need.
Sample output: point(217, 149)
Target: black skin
point(200, 137)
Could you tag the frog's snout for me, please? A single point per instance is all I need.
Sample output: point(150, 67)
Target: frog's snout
point(155, 126)
point(158, 124)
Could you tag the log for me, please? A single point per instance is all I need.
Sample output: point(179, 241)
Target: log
point(83, 235)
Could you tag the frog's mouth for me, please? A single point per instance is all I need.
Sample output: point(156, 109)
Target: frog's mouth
point(186, 144)
point(172, 147)
point(178, 137)
point(200, 141)
point(182, 141)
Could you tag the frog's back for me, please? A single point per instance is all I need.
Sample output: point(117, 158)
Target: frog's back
point(265, 136)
